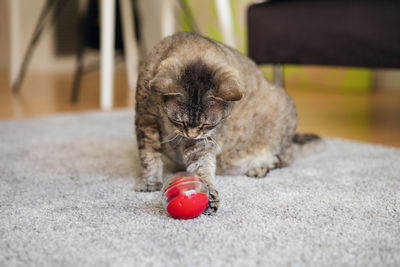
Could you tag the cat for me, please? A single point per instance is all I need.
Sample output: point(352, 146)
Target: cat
point(211, 110)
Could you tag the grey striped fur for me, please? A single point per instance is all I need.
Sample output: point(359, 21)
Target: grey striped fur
point(211, 110)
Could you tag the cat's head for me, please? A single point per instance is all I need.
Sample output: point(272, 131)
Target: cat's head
point(196, 97)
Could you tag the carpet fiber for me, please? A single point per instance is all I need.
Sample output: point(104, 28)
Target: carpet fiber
point(67, 199)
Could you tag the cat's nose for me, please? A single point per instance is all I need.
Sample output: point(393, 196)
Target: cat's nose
point(192, 133)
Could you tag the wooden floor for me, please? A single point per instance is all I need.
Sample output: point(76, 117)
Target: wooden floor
point(371, 117)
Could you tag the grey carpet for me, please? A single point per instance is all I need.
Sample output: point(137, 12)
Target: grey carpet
point(67, 199)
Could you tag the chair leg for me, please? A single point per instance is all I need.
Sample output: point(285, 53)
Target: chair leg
point(130, 45)
point(189, 15)
point(107, 46)
point(78, 72)
point(83, 28)
point(224, 14)
point(41, 24)
point(279, 75)
point(167, 18)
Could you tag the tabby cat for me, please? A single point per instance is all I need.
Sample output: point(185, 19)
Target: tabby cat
point(211, 110)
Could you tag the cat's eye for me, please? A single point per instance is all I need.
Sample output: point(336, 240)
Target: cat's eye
point(208, 126)
point(178, 123)
point(175, 122)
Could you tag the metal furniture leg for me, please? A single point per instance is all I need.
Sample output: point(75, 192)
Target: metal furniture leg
point(130, 43)
point(278, 75)
point(43, 20)
point(224, 11)
point(83, 30)
point(107, 38)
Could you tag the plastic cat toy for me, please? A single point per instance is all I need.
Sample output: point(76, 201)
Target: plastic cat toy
point(184, 196)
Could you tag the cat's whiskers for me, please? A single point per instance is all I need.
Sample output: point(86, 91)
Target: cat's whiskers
point(219, 150)
point(168, 136)
point(180, 141)
point(172, 139)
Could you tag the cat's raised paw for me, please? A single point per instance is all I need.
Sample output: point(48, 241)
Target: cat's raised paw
point(148, 187)
point(258, 172)
point(213, 202)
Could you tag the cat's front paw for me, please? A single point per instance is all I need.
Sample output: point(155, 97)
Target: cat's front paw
point(213, 201)
point(258, 172)
point(148, 187)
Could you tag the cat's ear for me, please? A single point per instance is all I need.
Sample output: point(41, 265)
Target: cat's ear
point(227, 85)
point(165, 82)
point(228, 91)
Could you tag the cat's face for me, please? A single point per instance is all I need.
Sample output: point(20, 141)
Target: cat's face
point(196, 98)
point(195, 121)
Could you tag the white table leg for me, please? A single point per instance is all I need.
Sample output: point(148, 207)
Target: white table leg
point(130, 44)
point(224, 11)
point(107, 53)
point(167, 17)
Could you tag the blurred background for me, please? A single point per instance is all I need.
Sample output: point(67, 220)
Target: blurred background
point(335, 101)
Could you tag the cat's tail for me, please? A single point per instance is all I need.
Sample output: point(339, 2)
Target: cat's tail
point(302, 144)
point(305, 138)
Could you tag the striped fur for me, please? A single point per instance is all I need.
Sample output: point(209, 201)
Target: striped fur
point(211, 110)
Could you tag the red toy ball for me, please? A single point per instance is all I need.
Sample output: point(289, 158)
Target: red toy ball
point(184, 197)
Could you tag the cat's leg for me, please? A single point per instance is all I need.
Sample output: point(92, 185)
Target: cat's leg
point(200, 160)
point(148, 139)
point(253, 163)
point(300, 144)
point(263, 169)
point(261, 163)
